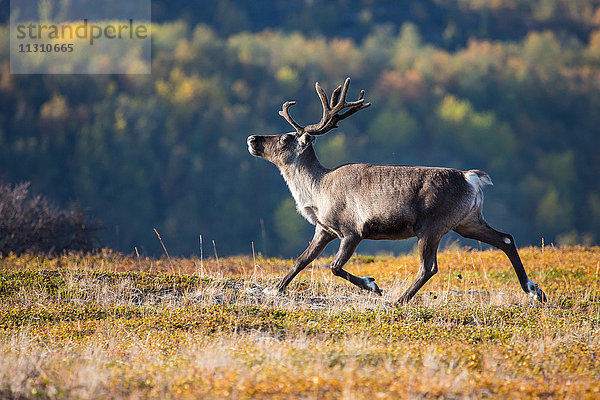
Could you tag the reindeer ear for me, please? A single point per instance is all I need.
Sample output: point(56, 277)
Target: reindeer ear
point(305, 140)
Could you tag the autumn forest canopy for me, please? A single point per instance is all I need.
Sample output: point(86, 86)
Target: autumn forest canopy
point(509, 87)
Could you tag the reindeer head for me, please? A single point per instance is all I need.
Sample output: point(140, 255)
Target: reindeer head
point(285, 149)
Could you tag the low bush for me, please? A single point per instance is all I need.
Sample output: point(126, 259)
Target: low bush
point(32, 224)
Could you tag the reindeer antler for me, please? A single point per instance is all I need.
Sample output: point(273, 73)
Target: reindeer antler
point(331, 115)
point(286, 114)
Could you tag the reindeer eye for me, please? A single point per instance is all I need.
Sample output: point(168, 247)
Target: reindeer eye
point(284, 139)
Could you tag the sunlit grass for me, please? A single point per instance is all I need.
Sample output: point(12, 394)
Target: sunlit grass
point(108, 325)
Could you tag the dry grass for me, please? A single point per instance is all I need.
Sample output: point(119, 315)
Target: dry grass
point(111, 326)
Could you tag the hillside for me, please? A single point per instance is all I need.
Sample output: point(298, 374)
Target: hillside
point(508, 87)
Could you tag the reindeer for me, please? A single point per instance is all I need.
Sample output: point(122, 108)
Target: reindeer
point(362, 201)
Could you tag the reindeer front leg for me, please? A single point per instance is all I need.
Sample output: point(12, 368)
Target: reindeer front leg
point(347, 246)
point(320, 239)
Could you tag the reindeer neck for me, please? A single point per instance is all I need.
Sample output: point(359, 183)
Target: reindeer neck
point(303, 177)
point(307, 165)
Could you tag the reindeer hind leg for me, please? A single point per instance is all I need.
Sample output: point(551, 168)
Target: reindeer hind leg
point(428, 267)
point(478, 229)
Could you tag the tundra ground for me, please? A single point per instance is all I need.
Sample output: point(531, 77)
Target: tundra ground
point(114, 326)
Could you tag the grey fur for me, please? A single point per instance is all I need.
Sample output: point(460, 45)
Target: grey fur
point(362, 201)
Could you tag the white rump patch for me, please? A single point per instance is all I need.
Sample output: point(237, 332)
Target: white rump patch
point(478, 179)
point(486, 180)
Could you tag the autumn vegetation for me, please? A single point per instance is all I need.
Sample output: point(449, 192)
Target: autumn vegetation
point(115, 326)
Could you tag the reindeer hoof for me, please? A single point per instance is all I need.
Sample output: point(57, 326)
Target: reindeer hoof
point(271, 291)
point(535, 292)
point(371, 285)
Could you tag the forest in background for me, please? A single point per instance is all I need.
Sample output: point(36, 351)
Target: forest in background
point(510, 87)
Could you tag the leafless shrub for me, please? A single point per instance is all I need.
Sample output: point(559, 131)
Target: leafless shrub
point(33, 224)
